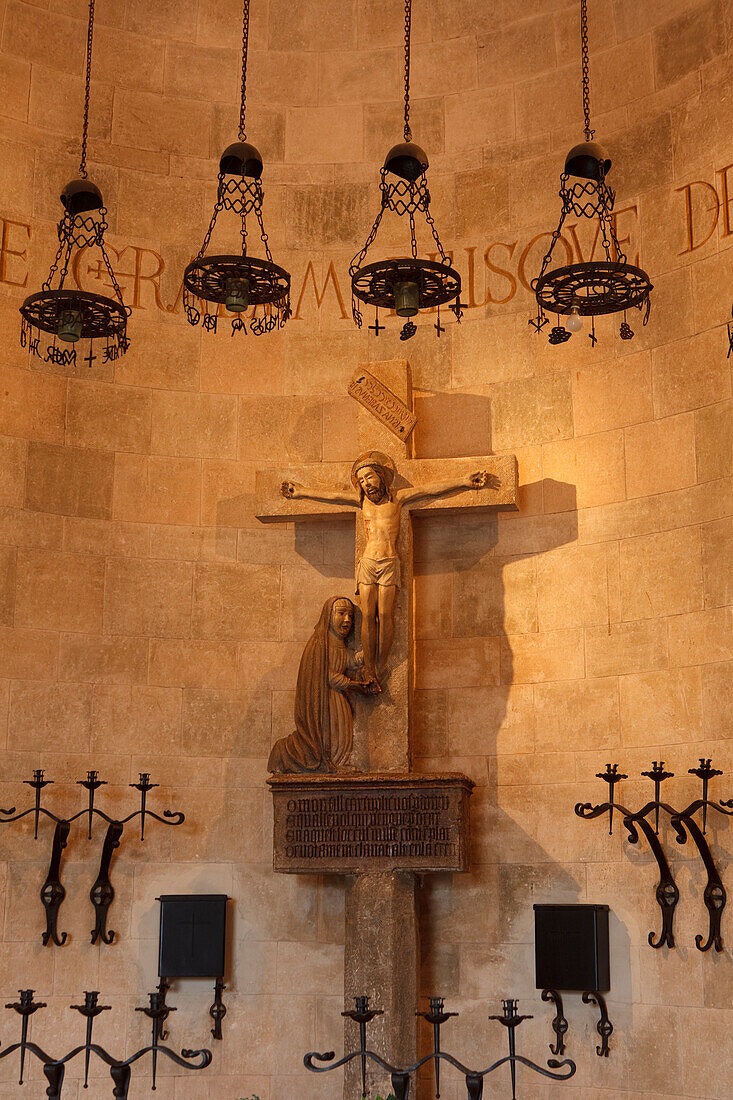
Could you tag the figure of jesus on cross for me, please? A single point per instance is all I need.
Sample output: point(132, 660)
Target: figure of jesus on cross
point(378, 569)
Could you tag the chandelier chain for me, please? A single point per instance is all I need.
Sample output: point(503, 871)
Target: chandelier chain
point(589, 133)
point(85, 124)
point(408, 29)
point(245, 43)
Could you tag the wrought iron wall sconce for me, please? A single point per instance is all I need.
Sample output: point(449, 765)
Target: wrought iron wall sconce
point(192, 944)
point(102, 892)
point(401, 1078)
point(54, 1069)
point(683, 823)
point(572, 955)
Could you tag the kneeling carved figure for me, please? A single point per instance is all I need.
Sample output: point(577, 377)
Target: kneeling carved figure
point(324, 720)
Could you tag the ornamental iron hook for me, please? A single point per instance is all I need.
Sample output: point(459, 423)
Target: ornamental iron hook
point(604, 1027)
point(559, 1023)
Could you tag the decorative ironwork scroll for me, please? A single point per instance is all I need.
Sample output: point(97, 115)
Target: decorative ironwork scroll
point(401, 1078)
point(120, 1070)
point(102, 892)
point(683, 823)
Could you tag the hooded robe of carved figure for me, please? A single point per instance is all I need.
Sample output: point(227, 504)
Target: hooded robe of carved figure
point(324, 721)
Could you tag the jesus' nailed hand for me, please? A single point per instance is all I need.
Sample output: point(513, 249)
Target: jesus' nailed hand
point(378, 571)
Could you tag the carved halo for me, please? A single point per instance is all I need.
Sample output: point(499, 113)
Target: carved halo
point(381, 462)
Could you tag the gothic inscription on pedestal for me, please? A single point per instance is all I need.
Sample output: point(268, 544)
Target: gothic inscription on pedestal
point(342, 824)
point(382, 403)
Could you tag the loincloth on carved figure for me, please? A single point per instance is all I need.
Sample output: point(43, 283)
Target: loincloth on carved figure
point(380, 571)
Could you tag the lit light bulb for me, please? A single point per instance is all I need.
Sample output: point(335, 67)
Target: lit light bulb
point(70, 325)
point(575, 321)
point(406, 299)
point(237, 295)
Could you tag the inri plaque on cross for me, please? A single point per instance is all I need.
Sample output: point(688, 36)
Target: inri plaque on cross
point(383, 824)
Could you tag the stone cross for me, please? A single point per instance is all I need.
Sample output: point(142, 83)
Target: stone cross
point(382, 954)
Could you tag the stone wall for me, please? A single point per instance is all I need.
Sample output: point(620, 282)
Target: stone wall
point(147, 621)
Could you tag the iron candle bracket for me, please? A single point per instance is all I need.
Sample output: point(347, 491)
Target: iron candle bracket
point(561, 1026)
point(684, 824)
point(120, 1069)
point(401, 1077)
point(102, 893)
point(218, 1009)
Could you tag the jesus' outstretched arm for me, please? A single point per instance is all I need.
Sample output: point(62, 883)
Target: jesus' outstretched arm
point(479, 479)
point(292, 490)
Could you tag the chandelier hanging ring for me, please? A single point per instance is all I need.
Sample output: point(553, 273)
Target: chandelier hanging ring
point(100, 317)
point(375, 283)
point(207, 277)
point(593, 288)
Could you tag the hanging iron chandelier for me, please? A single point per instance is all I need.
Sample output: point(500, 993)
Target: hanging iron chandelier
point(407, 284)
point(238, 281)
point(70, 315)
point(595, 287)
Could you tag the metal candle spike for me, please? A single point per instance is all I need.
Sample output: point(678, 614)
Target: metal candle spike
point(612, 777)
point(92, 784)
point(362, 1015)
point(705, 772)
point(158, 1012)
point(90, 1010)
point(658, 774)
point(511, 1019)
point(437, 1017)
point(38, 783)
point(144, 785)
point(25, 1009)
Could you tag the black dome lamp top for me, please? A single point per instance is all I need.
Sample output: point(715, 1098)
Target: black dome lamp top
point(589, 161)
point(81, 195)
point(241, 159)
point(407, 160)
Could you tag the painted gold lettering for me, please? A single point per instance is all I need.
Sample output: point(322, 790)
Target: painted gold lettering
point(6, 250)
point(330, 277)
point(723, 173)
point(500, 271)
point(689, 212)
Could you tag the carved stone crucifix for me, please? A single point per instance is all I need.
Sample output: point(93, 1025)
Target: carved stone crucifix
point(378, 570)
point(389, 492)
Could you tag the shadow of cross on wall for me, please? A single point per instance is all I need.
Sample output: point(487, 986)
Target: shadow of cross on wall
point(476, 596)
